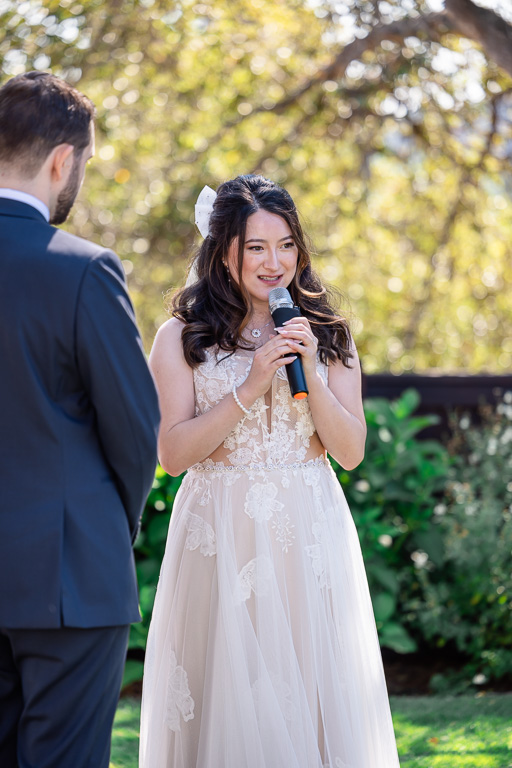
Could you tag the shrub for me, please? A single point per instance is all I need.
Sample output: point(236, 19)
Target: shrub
point(392, 495)
point(466, 592)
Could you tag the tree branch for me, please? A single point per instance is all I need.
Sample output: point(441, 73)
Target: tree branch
point(396, 31)
point(460, 17)
point(484, 27)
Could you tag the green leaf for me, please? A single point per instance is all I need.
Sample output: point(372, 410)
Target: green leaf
point(406, 403)
point(158, 528)
point(384, 606)
point(133, 671)
point(394, 636)
point(147, 598)
point(383, 576)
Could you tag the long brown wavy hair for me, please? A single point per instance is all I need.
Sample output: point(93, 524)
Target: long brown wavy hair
point(216, 309)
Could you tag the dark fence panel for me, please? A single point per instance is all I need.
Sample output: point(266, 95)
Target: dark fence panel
point(440, 395)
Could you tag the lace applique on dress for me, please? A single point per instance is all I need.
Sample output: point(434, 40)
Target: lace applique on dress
point(254, 577)
point(278, 432)
point(179, 701)
point(203, 483)
point(318, 551)
point(261, 502)
point(200, 534)
point(261, 505)
point(283, 527)
point(318, 554)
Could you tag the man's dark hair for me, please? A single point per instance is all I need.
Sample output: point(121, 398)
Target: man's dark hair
point(39, 111)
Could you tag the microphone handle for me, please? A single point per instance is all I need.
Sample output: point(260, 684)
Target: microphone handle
point(294, 370)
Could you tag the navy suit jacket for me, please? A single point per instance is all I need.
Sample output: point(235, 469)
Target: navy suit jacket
point(78, 429)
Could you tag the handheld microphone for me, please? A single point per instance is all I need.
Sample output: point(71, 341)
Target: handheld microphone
point(282, 309)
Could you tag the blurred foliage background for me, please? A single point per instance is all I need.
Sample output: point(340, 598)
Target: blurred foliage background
point(389, 122)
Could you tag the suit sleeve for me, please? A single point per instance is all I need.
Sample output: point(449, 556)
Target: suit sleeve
point(117, 379)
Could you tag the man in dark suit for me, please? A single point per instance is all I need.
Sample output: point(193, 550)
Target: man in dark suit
point(78, 429)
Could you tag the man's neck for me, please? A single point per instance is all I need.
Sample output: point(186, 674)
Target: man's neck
point(35, 187)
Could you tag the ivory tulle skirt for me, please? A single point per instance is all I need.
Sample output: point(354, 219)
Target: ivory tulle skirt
point(263, 651)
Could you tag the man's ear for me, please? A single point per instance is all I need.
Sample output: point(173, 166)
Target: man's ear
point(61, 160)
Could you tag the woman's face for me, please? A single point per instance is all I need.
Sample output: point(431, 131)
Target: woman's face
point(269, 259)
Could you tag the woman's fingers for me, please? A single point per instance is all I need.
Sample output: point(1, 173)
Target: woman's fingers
point(278, 344)
point(294, 321)
point(288, 333)
point(277, 354)
point(296, 337)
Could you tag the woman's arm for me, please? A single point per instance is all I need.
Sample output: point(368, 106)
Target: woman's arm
point(336, 407)
point(185, 439)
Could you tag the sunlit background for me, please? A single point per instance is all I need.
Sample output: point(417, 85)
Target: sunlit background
point(398, 157)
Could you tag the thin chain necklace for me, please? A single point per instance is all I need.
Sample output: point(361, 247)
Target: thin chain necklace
point(256, 332)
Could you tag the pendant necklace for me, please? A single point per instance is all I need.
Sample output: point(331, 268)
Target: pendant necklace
point(256, 332)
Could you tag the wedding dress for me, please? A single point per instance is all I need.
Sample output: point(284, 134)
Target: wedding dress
point(263, 650)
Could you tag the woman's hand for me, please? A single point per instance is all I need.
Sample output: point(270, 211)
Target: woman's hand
point(266, 361)
point(297, 332)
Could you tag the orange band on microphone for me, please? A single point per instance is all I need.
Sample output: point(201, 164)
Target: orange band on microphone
point(300, 396)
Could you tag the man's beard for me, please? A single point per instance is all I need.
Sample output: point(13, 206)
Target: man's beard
point(67, 197)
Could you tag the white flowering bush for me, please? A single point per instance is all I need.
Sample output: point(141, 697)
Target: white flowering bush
point(465, 597)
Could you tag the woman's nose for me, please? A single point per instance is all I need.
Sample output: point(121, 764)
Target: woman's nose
point(272, 259)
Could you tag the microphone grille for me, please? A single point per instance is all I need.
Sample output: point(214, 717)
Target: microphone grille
point(279, 297)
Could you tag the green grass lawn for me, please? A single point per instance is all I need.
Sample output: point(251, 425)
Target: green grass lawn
point(431, 731)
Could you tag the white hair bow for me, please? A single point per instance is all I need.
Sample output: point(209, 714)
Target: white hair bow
point(204, 207)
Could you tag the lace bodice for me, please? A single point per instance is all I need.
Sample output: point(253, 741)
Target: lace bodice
point(279, 430)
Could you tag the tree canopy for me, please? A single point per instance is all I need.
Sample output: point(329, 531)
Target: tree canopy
point(389, 122)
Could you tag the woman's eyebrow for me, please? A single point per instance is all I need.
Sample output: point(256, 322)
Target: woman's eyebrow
point(261, 240)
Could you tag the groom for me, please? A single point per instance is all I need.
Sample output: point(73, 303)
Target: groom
point(78, 425)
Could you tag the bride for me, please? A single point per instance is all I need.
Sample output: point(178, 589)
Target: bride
point(262, 650)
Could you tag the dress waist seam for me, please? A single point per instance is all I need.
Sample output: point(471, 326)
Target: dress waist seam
point(257, 467)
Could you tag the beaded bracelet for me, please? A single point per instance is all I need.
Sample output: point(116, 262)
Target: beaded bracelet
point(237, 401)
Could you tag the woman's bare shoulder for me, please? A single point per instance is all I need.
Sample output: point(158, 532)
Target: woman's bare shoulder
point(167, 341)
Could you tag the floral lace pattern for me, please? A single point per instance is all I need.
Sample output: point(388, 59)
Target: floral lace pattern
point(283, 529)
point(275, 434)
point(261, 502)
point(261, 505)
point(318, 551)
point(254, 577)
point(179, 701)
point(202, 483)
point(279, 432)
point(200, 535)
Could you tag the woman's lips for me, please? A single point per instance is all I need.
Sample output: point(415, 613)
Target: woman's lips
point(269, 279)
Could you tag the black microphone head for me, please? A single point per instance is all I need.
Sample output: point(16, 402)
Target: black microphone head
point(279, 297)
